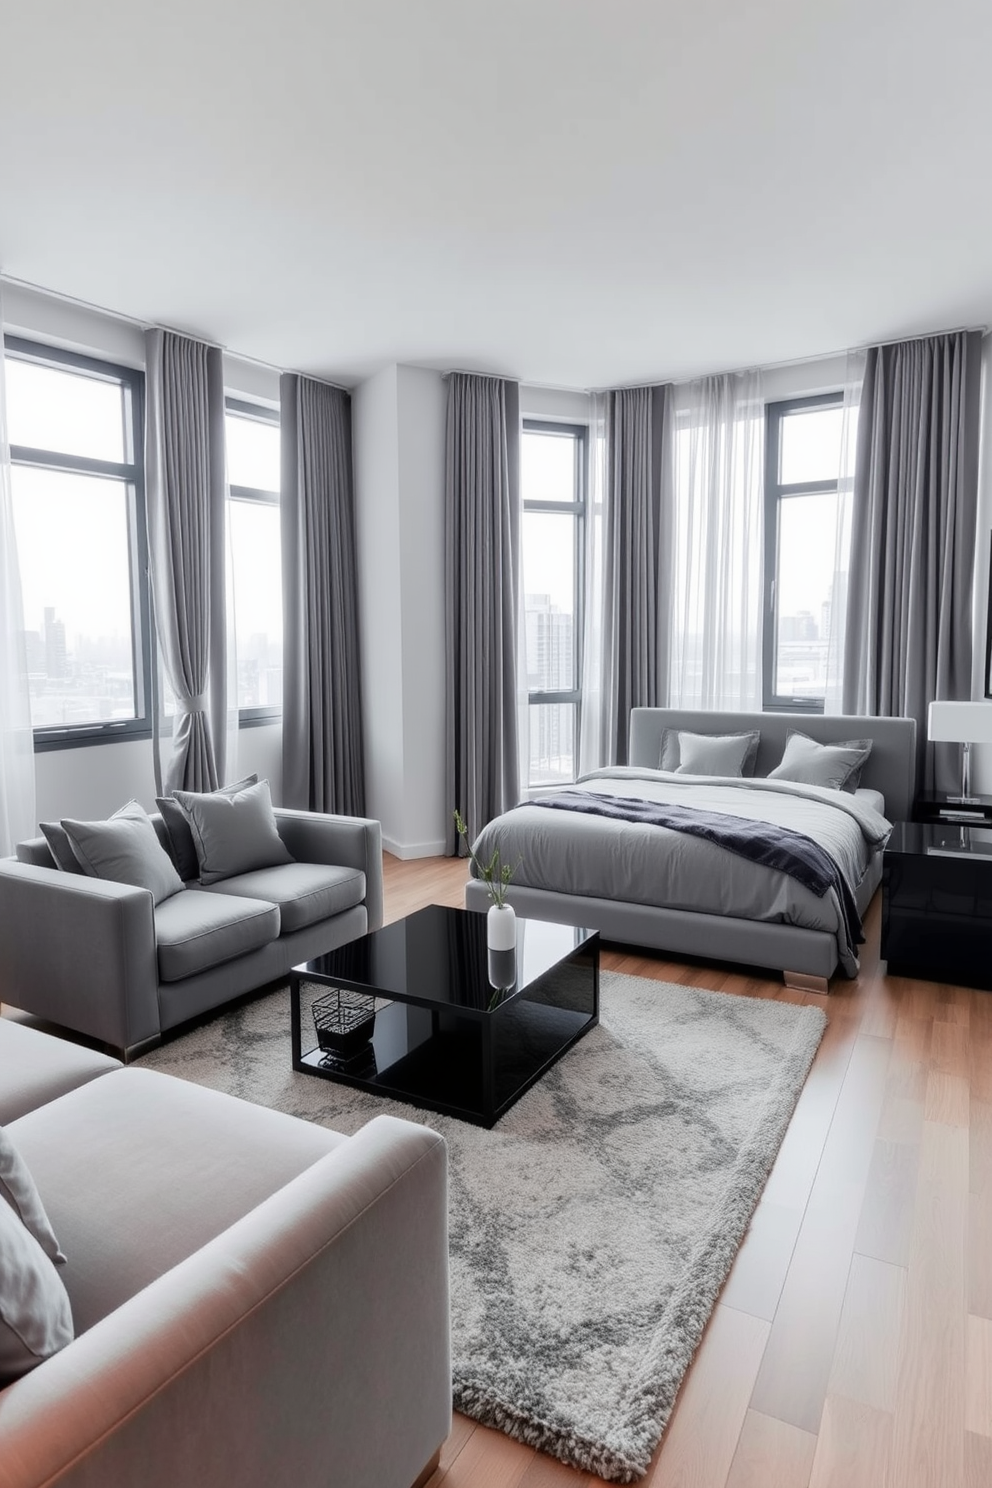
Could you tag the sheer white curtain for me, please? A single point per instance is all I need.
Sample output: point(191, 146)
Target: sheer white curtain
point(18, 817)
point(837, 616)
point(716, 471)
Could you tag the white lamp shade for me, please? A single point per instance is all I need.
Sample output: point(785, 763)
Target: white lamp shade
point(960, 723)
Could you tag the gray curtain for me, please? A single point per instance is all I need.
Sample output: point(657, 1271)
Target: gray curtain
point(185, 498)
point(636, 550)
point(909, 620)
point(322, 751)
point(482, 545)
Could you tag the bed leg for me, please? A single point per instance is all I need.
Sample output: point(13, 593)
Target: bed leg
point(801, 981)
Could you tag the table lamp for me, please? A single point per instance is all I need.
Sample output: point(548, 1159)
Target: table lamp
point(964, 724)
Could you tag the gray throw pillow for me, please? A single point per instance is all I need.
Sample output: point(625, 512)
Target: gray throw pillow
point(180, 837)
point(35, 1314)
point(60, 847)
point(832, 766)
point(18, 1189)
point(125, 850)
point(233, 833)
point(709, 754)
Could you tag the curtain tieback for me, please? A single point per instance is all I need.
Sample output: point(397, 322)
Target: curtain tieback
point(196, 704)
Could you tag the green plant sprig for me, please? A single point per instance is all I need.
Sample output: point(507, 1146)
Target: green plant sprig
point(495, 874)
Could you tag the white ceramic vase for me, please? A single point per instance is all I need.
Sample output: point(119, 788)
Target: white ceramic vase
point(501, 927)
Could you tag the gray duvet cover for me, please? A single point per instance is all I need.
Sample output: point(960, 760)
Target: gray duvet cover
point(646, 864)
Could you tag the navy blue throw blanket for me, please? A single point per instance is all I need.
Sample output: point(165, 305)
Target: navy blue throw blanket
point(760, 842)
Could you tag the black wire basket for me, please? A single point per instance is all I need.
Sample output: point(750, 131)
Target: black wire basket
point(345, 1022)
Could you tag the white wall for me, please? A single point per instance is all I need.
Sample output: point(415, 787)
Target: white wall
point(375, 437)
point(421, 421)
point(399, 494)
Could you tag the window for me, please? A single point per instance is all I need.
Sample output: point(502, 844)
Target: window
point(75, 429)
point(552, 468)
point(253, 482)
point(802, 581)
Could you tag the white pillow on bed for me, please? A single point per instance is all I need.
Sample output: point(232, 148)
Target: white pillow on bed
point(708, 754)
point(834, 766)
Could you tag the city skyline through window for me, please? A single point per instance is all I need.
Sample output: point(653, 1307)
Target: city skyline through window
point(73, 478)
point(552, 485)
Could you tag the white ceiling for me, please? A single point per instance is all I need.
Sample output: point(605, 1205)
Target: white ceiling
point(571, 192)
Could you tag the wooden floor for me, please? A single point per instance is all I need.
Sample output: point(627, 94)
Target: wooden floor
point(852, 1344)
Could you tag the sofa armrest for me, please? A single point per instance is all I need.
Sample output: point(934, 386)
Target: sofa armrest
point(306, 1344)
point(340, 841)
point(80, 951)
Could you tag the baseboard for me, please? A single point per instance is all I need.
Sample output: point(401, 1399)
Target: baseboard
point(407, 850)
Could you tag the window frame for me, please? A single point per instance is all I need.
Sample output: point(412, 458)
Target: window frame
point(132, 473)
point(263, 414)
point(777, 491)
point(579, 433)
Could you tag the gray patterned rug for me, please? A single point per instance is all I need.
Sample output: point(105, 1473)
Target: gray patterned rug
point(592, 1229)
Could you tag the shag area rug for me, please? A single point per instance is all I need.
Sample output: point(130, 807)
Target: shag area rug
point(592, 1228)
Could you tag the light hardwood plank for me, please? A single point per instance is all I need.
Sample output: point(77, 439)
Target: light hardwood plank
point(977, 1461)
point(978, 1376)
point(488, 1460)
point(928, 1437)
point(948, 1098)
point(980, 1254)
point(853, 1446)
point(699, 1445)
point(759, 1271)
point(885, 1225)
point(980, 1145)
point(865, 1363)
point(771, 1454)
point(793, 1378)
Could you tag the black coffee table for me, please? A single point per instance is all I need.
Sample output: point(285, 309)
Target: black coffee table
point(462, 1031)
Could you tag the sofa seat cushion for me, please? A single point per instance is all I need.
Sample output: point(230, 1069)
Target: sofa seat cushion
point(194, 931)
point(306, 893)
point(35, 1068)
point(139, 1170)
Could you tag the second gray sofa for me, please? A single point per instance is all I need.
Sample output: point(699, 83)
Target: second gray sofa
point(102, 959)
point(257, 1300)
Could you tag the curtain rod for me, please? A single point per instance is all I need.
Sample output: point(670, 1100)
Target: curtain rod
point(144, 325)
point(819, 356)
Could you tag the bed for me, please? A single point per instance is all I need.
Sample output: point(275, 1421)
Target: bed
point(644, 885)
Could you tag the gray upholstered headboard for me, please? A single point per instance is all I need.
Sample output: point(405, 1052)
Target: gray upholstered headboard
point(891, 766)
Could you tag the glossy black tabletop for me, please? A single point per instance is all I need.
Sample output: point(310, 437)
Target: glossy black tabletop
point(439, 957)
point(943, 839)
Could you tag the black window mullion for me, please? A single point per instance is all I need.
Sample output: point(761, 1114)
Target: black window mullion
point(130, 473)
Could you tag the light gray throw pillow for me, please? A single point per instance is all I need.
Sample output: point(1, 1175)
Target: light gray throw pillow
point(709, 754)
point(20, 1192)
point(832, 766)
point(125, 850)
point(233, 833)
point(180, 837)
point(35, 1315)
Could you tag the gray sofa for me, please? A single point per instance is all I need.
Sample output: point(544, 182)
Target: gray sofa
point(101, 959)
point(257, 1300)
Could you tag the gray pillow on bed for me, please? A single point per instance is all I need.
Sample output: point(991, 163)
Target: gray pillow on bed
point(709, 754)
point(834, 766)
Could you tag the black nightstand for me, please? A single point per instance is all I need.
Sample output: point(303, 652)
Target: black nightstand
point(941, 808)
point(937, 903)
